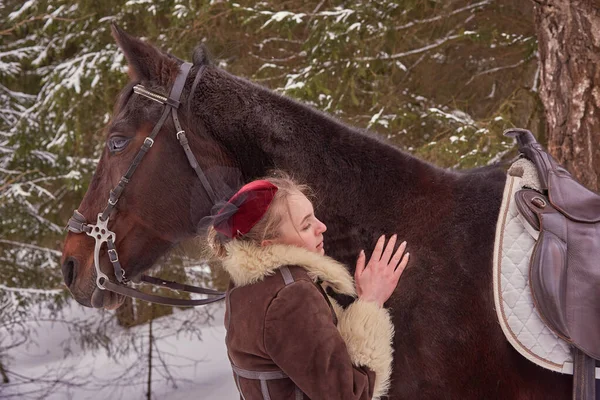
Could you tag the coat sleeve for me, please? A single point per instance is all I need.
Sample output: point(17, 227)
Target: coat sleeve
point(353, 362)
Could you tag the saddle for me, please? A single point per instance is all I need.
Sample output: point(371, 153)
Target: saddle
point(565, 264)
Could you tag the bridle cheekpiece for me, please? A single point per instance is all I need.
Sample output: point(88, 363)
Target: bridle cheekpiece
point(100, 232)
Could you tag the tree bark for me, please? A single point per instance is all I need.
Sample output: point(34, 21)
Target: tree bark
point(569, 49)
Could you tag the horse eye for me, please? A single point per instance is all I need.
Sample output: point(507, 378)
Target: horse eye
point(117, 143)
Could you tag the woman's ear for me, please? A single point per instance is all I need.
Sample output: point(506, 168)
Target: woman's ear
point(267, 242)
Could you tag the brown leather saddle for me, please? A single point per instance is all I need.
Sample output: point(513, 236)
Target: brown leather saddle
point(565, 264)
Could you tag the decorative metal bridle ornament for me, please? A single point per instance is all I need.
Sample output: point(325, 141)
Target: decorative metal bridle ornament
point(100, 232)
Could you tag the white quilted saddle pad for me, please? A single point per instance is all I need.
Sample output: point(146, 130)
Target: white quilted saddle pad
point(513, 246)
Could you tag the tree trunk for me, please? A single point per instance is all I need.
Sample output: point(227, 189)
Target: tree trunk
point(569, 49)
point(150, 345)
point(3, 374)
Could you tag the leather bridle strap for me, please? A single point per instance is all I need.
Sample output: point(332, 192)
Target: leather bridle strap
point(102, 234)
point(171, 105)
point(168, 301)
point(179, 286)
point(184, 142)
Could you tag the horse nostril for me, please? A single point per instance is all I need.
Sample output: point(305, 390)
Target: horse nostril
point(69, 270)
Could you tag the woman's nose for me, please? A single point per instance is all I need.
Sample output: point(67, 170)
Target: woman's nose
point(322, 227)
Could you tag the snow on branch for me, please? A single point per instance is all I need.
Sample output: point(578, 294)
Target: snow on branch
point(16, 14)
point(30, 290)
point(55, 253)
point(423, 49)
point(12, 68)
point(19, 96)
point(441, 17)
point(496, 69)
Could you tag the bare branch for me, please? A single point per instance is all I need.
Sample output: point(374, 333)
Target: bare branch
point(496, 69)
point(32, 246)
point(440, 17)
point(437, 43)
point(30, 290)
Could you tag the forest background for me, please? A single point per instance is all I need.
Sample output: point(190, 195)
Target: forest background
point(439, 79)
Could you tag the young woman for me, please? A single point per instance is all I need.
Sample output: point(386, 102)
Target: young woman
point(286, 339)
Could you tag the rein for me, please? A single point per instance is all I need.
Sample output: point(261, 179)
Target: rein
point(100, 232)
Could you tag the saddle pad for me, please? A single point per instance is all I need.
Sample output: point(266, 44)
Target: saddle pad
point(513, 246)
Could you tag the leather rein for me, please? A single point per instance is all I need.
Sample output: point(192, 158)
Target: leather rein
point(100, 232)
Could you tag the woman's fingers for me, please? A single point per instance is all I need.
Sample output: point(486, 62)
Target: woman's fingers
point(402, 265)
point(376, 256)
point(360, 264)
point(389, 249)
point(398, 255)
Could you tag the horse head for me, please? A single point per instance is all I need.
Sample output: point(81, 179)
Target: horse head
point(164, 200)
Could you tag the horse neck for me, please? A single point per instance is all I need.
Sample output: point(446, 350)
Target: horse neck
point(263, 130)
point(357, 179)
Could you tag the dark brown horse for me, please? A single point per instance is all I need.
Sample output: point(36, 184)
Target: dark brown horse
point(448, 343)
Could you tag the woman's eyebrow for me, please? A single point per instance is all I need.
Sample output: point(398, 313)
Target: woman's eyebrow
point(305, 218)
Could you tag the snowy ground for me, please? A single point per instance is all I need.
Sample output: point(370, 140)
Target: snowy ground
point(197, 367)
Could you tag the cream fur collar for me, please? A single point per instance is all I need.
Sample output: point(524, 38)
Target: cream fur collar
point(247, 263)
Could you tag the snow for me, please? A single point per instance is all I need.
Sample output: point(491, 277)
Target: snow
point(375, 117)
point(134, 2)
point(29, 290)
point(340, 14)
point(199, 367)
point(281, 15)
point(16, 14)
point(354, 26)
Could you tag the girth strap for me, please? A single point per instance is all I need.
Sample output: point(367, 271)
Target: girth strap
point(584, 374)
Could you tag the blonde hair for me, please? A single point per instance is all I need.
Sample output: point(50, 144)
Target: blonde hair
point(267, 227)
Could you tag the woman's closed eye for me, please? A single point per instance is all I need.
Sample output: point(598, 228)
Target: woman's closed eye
point(307, 227)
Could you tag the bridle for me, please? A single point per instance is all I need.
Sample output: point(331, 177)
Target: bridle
point(100, 232)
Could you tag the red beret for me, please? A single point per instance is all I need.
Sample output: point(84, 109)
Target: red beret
point(250, 204)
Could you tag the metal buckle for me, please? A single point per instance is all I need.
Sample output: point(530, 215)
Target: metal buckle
point(148, 142)
point(180, 132)
point(113, 256)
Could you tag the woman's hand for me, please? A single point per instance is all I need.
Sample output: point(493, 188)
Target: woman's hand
point(377, 281)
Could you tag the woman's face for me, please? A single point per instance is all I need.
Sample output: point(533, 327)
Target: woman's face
point(299, 227)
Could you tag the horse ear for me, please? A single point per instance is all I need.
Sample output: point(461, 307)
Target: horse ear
point(201, 55)
point(146, 62)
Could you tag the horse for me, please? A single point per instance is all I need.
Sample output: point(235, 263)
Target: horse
point(448, 343)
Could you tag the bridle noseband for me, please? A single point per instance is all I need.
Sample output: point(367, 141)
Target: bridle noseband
point(100, 232)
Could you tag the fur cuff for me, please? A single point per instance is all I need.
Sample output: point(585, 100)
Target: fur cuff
point(368, 331)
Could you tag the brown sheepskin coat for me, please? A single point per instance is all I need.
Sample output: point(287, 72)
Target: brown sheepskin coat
point(286, 339)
